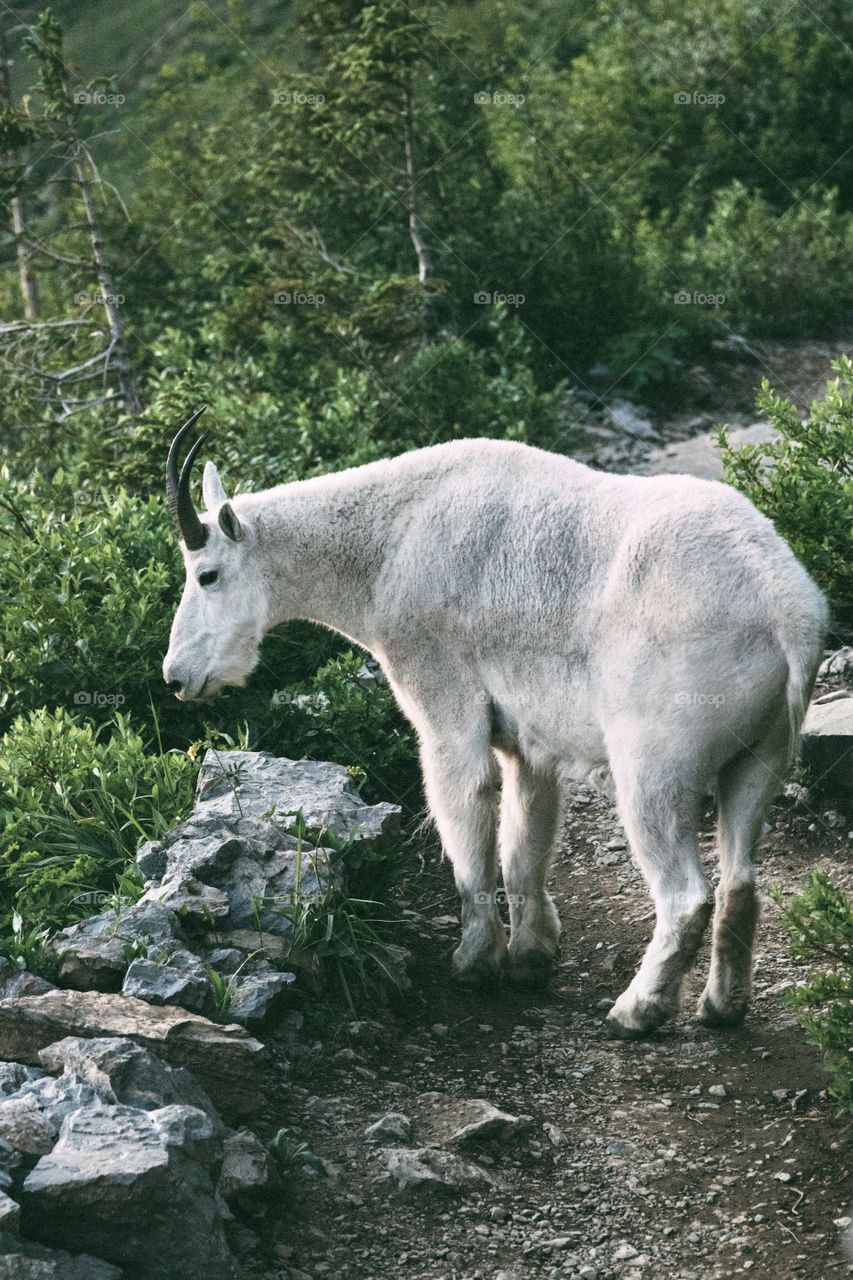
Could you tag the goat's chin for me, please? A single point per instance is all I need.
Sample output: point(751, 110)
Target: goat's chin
point(232, 676)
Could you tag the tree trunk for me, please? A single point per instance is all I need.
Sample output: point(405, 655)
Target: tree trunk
point(419, 244)
point(26, 274)
point(120, 360)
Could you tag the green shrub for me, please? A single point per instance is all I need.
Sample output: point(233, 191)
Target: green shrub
point(88, 583)
point(819, 923)
point(785, 275)
point(75, 802)
point(804, 482)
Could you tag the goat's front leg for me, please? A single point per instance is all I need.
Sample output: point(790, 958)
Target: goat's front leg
point(461, 788)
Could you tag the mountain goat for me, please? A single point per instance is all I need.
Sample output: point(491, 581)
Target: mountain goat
point(537, 619)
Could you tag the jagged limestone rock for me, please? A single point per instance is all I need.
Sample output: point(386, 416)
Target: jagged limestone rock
point(94, 955)
point(226, 1060)
point(136, 1187)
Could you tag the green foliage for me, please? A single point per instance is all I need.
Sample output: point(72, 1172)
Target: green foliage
point(74, 805)
point(804, 482)
point(88, 582)
point(784, 275)
point(819, 924)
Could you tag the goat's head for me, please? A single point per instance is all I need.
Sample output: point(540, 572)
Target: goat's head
point(220, 619)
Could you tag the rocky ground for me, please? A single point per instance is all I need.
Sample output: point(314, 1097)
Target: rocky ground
point(697, 1154)
point(677, 434)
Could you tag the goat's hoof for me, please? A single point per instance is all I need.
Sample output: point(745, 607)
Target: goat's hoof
point(644, 1018)
point(530, 969)
point(712, 1015)
point(481, 974)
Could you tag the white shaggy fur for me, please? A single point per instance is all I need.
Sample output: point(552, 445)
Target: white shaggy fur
point(538, 619)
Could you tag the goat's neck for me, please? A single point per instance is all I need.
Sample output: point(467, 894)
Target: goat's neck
point(323, 543)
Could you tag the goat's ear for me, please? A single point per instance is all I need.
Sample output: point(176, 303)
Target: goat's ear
point(229, 524)
point(211, 488)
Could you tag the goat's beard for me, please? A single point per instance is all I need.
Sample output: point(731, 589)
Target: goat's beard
point(233, 673)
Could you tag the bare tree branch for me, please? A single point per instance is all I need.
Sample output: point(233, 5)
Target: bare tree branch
point(415, 232)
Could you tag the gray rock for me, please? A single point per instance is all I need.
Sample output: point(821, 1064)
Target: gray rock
point(181, 978)
point(10, 1213)
point(94, 954)
point(243, 872)
point(253, 784)
point(30, 1120)
point(475, 1119)
point(735, 347)
point(247, 1170)
point(225, 960)
point(24, 1260)
point(370, 673)
point(135, 1187)
point(827, 739)
point(839, 663)
point(699, 456)
point(631, 420)
point(13, 1075)
point(189, 896)
point(431, 1169)
point(394, 1125)
point(255, 996)
point(121, 1071)
point(252, 944)
point(226, 1060)
point(20, 982)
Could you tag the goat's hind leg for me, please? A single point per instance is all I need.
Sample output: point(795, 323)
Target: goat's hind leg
point(744, 788)
point(530, 808)
point(460, 778)
point(661, 821)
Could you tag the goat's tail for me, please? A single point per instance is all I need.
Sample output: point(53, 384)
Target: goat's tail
point(802, 637)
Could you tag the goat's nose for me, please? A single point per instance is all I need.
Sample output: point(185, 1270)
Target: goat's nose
point(174, 686)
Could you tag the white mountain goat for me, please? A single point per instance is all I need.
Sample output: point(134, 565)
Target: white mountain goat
point(537, 619)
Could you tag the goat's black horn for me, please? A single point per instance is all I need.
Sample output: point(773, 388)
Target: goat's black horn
point(184, 514)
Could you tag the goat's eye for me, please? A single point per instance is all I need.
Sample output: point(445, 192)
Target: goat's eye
point(205, 579)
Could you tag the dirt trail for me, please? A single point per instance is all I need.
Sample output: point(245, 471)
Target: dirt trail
point(637, 1164)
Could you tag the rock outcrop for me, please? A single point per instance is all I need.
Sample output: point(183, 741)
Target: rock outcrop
point(226, 1060)
point(115, 1088)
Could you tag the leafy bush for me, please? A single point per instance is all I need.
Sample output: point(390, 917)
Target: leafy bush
point(819, 923)
point(88, 583)
point(804, 482)
point(75, 802)
point(785, 275)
